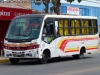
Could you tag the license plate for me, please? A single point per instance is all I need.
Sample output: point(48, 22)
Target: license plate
point(18, 54)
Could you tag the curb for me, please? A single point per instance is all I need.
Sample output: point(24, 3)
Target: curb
point(4, 60)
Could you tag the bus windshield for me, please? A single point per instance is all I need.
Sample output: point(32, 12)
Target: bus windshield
point(24, 28)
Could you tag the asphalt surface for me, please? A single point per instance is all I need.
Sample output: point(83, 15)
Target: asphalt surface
point(90, 65)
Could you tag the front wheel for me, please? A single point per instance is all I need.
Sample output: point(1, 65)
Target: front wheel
point(14, 60)
point(44, 58)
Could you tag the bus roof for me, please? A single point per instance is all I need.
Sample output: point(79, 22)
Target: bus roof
point(72, 16)
point(57, 16)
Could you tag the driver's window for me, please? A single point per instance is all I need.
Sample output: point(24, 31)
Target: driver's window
point(48, 31)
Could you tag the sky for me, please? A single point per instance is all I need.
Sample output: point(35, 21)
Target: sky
point(95, 3)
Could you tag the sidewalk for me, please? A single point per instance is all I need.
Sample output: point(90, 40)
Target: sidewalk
point(3, 59)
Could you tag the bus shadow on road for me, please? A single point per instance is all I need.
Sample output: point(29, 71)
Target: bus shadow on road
point(64, 59)
point(53, 60)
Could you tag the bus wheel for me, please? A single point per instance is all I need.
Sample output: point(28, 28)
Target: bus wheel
point(14, 60)
point(44, 58)
point(79, 56)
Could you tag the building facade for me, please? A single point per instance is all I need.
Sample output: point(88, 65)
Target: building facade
point(84, 8)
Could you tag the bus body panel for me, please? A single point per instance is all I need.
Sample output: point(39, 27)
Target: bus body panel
point(71, 45)
point(30, 53)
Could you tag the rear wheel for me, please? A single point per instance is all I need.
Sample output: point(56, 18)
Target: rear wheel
point(79, 56)
point(14, 60)
point(44, 58)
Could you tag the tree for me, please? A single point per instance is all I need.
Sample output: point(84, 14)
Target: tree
point(45, 2)
point(56, 5)
point(73, 0)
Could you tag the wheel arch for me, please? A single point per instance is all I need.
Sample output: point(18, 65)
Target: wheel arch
point(83, 49)
point(48, 52)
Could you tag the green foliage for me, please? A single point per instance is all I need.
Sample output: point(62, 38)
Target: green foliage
point(79, 1)
point(56, 4)
point(70, 1)
point(37, 2)
point(53, 1)
point(73, 1)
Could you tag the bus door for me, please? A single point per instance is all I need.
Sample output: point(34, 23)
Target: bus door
point(48, 35)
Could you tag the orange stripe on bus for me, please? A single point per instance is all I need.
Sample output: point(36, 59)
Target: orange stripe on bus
point(72, 51)
point(91, 48)
point(58, 45)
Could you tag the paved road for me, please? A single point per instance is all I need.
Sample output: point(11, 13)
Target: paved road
point(90, 65)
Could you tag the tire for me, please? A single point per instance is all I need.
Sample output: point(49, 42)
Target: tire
point(79, 56)
point(14, 60)
point(44, 58)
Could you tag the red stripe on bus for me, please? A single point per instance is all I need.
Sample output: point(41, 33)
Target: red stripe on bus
point(63, 45)
point(82, 39)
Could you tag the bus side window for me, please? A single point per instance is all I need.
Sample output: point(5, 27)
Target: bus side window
point(77, 27)
point(60, 23)
point(87, 26)
point(94, 26)
point(66, 30)
point(73, 27)
point(83, 26)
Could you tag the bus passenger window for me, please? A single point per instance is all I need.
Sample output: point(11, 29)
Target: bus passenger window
point(72, 27)
point(94, 26)
point(77, 27)
point(87, 26)
point(66, 30)
point(60, 27)
point(83, 26)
